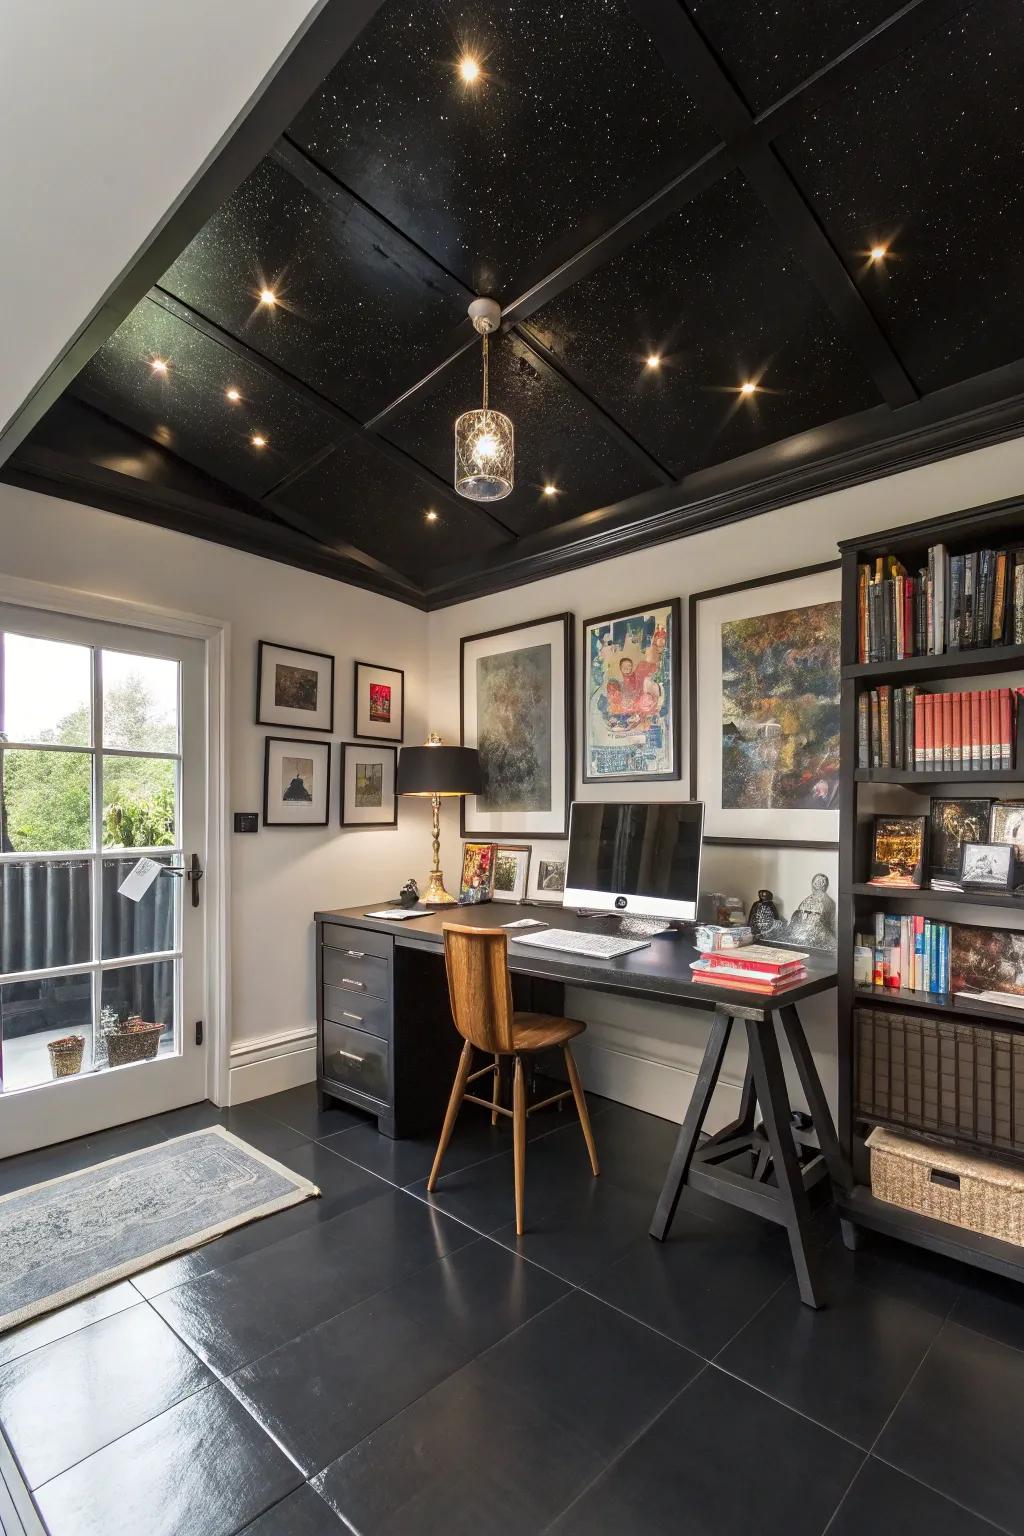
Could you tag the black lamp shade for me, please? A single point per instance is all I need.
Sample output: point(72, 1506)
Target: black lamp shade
point(439, 770)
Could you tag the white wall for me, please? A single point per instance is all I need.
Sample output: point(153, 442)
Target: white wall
point(280, 876)
point(109, 112)
point(642, 1053)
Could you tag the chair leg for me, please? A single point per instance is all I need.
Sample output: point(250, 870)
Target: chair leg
point(452, 1112)
point(581, 1107)
point(496, 1098)
point(519, 1139)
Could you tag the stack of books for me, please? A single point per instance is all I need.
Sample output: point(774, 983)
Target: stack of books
point(910, 953)
point(953, 603)
point(931, 732)
point(754, 968)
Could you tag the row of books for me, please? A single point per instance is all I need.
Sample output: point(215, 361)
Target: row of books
point(903, 952)
point(931, 732)
point(754, 967)
point(954, 603)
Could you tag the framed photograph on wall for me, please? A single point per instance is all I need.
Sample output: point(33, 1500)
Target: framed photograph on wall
point(547, 875)
point(631, 695)
point(511, 871)
point(368, 796)
point(516, 709)
point(764, 709)
point(296, 781)
point(379, 702)
point(294, 687)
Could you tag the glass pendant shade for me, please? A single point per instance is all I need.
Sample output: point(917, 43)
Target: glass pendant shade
point(484, 455)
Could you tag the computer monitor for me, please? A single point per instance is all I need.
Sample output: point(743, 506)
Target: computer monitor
point(638, 860)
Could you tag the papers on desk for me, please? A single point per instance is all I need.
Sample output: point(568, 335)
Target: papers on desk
point(525, 922)
point(399, 914)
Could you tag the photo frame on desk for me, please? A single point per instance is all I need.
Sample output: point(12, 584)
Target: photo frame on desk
point(516, 696)
point(764, 709)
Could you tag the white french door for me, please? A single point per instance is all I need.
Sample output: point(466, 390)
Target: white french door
point(103, 759)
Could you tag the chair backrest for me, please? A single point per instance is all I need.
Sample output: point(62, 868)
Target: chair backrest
point(479, 985)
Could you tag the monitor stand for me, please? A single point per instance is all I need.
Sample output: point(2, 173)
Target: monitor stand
point(643, 927)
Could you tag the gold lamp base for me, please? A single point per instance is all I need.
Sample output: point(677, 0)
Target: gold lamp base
point(435, 894)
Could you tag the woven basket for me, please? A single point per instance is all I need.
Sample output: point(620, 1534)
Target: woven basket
point(66, 1055)
point(958, 1187)
point(139, 1043)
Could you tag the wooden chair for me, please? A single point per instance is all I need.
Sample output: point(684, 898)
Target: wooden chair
point(480, 989)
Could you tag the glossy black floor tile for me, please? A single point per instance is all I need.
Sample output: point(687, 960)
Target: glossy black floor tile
point(882, 1499)
point(204, 1468)
point(300, 1109)
point(722, 1460)
point(70, 1398)
point(57, 1325)
point(249, 1121)
point(578, 1229)
point(991, 1305)
point(342, 1185)
point(845, 1365)
point(258, 1303)
point(323, 1392)
point(303, 1513)
point(68, 1156)
point(958, 1428)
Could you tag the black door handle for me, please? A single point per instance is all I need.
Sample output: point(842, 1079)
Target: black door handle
point(194, 874)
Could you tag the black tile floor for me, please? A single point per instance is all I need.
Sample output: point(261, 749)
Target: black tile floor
point(380, 1361)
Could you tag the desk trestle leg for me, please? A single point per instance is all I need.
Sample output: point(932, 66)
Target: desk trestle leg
point(696, 1114)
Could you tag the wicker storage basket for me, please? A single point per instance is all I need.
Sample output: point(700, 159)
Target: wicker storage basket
point(139, 1043)
point(66, 1055)
point(959, 1187)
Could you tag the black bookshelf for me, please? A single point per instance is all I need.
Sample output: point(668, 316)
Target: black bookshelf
point(860, 792)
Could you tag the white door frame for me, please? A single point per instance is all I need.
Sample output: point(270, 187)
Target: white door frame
point(215, 633)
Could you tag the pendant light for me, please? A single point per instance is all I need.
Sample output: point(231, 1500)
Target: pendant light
point(484, 439)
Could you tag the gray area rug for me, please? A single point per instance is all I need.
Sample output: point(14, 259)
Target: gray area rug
point(70, 1236)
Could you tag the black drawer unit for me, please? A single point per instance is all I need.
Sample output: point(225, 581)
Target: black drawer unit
point(357, 1061)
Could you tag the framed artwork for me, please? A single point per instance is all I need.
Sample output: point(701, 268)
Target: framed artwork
point(1006, 825)
point(511, 871)
point(294, 687)
point(368, 796)
point(478, 861)
point(547, 875)
point(764, 709)
point(953, 822)
point(379, 702)
point(631, 695)
point(296, 780)
point(516, 709)
point(986, 960)
point(897, 852)
point(987, 867)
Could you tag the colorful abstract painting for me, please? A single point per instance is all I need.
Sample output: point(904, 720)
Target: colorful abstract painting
point(631, 699)
point(780, 710)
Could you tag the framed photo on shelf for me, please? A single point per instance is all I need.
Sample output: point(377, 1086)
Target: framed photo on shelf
point(764, 709)
point(296, 782)
point(986, 960)
point(478, 867)
point(631, 698)
point(897, 852)
point(379, 707)
point(367, 779)
point(511, 871)
point(1006, 825)
point(547, 875)
point(986, 867)
point(516, 709)
point(952, 823)
point(294, 687)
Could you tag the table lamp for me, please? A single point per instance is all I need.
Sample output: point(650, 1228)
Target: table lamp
point(437, 770)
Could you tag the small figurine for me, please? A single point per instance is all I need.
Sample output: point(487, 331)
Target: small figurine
point(813, 924)
point(763, 915)
point(409, 895)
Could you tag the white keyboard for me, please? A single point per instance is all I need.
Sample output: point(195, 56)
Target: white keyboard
point(599, 946)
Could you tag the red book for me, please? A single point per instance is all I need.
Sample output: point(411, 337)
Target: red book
point(919, 759)
point(946, 738)
point(929, 731)
point(738, 984)
point(1005, 728)
point(755, 957)
point(975, 729)
point(957, 760)
point(985, 708)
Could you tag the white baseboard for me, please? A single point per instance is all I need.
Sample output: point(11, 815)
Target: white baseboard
point(271, 1063)
point(657, 1087)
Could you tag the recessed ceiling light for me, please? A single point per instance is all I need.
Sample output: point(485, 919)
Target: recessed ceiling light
point(258, 440)
point(233, 395)
point(469, 69)
point(550, 490)
point(158, 365)
point(653, 360)
point(878, 253)
point(268, 297)
point(431, 516)
point(748, 387)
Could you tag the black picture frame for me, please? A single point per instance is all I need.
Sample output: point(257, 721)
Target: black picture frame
point(940, 860)
point(520, 833)
point(1000, 853)
point(297, 650)
point(674, 604)
point(880, 865)
point(696, 598)
point(295, 741)
point(376, 666)
point(377, 746)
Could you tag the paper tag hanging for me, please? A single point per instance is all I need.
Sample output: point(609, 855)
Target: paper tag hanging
point(138, 880)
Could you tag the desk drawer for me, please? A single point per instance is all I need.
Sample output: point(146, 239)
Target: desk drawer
point(358, 941)
point(356, 1010)
point(355, 971)
point(356, 1060)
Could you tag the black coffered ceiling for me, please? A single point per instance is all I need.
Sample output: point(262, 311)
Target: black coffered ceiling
point(699, 182)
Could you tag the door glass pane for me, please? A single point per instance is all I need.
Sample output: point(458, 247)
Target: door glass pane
point(34, 1013)
point(45, 801)
point(138, 927)
point(46, 692)
point(139, 802)
point(132, 994)
point(140, 702)
point(45, 910)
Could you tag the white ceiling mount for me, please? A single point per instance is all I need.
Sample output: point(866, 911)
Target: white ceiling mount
point(485, 315)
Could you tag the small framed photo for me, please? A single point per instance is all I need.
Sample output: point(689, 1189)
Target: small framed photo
point(511, 871)
point(294, 687)
point(547, 875)
point(296, 781)
point(478, 867)
point(897, 854)
point(379, 702)
point(987, 867)
point(368, 796)
point(1006, 825)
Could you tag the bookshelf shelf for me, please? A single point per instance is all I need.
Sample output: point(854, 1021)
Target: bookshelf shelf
point(939, 776)
point(941, 1002)
point(920, 898)
point(860, 1206)
point(978, 663)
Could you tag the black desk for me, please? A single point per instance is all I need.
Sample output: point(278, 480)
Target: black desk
point(387, 1043)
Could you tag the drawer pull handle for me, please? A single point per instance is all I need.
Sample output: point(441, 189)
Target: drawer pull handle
point(949, 1180)
point(348, 1055)
point(347, 981)
point(346, 1015)
point(355, 954)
